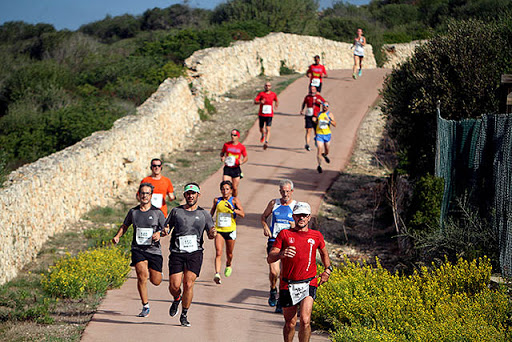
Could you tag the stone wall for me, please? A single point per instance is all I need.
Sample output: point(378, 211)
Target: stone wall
point(39, 199)
point(217, 70)
point(399, 53)
point(42, 198)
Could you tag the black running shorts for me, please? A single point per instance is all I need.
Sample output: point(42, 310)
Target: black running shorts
point(155, 261)
point(178, 262)
point(265, 120)
point(286, 300)
point(233, 172)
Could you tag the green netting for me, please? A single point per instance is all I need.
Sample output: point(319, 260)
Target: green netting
point(474, 157)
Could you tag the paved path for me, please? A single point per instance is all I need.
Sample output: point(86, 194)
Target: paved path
point(237, 310)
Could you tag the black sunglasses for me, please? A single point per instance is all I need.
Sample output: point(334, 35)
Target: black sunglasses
point(156, 165)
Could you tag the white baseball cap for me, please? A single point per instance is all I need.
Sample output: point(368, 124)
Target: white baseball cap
point(302, 208)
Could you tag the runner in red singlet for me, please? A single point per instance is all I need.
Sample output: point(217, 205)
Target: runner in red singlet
point(312, 102)
point(316, 72)
point(233, 155)
point(268, 102)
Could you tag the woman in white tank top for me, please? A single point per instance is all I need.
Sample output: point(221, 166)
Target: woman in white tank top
point(359, 43)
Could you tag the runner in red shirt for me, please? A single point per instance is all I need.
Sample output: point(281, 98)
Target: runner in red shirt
point(233, 155)
point(296, 248)
point(316, 72)
point(163, 186)
point(266, 100)
point(312, 102)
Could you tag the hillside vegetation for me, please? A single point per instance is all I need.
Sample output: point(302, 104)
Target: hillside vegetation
point(57, 87)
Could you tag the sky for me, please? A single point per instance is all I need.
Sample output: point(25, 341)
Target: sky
point(71, 14)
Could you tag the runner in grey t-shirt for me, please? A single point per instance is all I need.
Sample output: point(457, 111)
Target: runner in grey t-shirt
point(188, 223)
point(148, 222)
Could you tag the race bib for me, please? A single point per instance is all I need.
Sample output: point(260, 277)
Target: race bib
point(298, 291)
point(323, 124)
point(223, 220)
point(230, 161)
point(188, 243)
point(143, 236)
point(280, 226)
point(315, 82)
point(309, 111)
point(157, 200)
point(266, 109)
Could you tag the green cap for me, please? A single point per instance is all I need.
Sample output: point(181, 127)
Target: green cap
point(192, 187)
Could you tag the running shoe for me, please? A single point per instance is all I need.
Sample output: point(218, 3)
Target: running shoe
point(144, 312)
point(216, 278)
point(173, 310)
point(307, 147)
point(184, 321)
point(262, 139)
point(327, 160)
point(360, 72)
point(279, 308)
point(319, 169)
point(272, 300)
point(265, 145)
point(227, 271)
point(354, 76)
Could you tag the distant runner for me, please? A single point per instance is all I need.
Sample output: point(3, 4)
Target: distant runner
point(227, 208)
point(323, 135)
point(163, 186)
point(188, 223)
point(233, 155)
point(148, 226)
point(296, 248)
point(268, 101)
point(281, 211)
point(316, 72)
point(313, 102)
point(359, 43)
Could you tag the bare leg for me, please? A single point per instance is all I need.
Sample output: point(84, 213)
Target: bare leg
point(326, 147)
point(319, 151)
point(236, 182)
point(356, 63)
point(141, 268)
point(267, 134)
point(219, 242)
point(155, 277)
point(306, 306)
point(230, 246)
point(175, 284)
point(290, 321)
point(188, 288)
point(274, 269)
point(308, 134)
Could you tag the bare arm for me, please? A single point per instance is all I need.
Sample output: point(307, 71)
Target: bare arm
point(278, 254)
point(264, 216)
point(238, 207)
point(120, 232)
point(333, 122)
point(214, 207)
point(324, 255)
point(277, 103)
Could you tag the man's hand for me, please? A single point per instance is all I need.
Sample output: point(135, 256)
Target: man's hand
point(289, 252)
point(212, 233)
point(266, 231)
point(115, 240)
point(323, 278)
point(156, 236)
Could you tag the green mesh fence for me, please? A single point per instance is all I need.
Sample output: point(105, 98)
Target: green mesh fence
point(474, 157)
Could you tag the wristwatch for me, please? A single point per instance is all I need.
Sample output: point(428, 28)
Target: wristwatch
point(329, 268)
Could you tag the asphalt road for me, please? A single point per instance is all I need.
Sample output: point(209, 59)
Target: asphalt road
point(237, 310)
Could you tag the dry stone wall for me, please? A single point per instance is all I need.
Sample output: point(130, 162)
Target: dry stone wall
point(42, 198)
point(399, 53)
point(217, 70)
point(39, 199)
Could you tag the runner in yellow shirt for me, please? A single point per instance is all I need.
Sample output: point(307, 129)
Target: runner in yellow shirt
point(323, 134)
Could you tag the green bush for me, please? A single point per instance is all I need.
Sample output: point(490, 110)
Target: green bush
point(454, 69)
point(426, 204)
point(445, 303)
point(93, 271)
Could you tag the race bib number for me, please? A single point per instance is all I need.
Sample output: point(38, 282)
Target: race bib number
point(298, 291)
point(224, 220)
point(323, 124)
point(309, 111)
point(157, 200)
point(266, 109)
point(230, 161)
point(315, 82)
point(188, 243)
point(143, 236)
point(280, 226)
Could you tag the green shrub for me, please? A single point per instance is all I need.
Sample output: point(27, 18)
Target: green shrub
point(284, 70)
point(93, 271)
point(426, 203)
point(445, 303)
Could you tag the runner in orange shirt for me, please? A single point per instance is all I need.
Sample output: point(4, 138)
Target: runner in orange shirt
point(163, 186)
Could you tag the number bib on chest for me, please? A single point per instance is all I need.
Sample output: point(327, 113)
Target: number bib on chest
point(323, 124)
point(157, 200)
point(280, 226)
point(224, 220)
point(298, 291)
point(315, 82)
point(188, 243)
point(230, 161)
point(143, 236)
point(266, 109)
point(309, 111)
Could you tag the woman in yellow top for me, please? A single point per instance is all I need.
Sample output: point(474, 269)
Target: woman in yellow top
point(227, 208)
point(323, 121)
